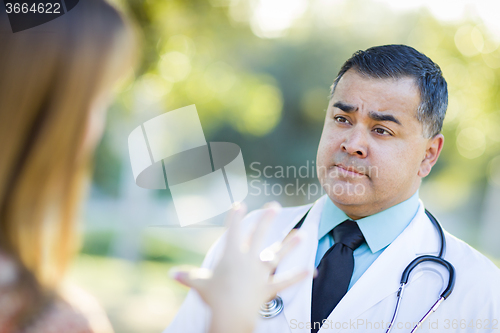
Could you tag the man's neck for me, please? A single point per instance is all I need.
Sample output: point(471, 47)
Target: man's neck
point(356, 212)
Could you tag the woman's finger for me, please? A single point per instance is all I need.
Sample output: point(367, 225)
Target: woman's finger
point(288, 244)
point(273, 254)
point(285, 280)
point(192, 277)
point(268, 256)
point(257, 236)
point(233, 223)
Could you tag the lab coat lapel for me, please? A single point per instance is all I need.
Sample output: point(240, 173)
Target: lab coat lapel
point(383, 277)
point(297, 298)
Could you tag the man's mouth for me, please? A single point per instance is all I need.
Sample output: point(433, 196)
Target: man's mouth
point(349, 171)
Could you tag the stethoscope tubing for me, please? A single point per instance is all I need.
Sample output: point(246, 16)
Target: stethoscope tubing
point(417, 261)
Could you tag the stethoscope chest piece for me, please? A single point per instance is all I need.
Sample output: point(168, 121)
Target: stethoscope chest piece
point(272, 308)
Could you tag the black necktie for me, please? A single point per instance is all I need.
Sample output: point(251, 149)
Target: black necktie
point(334, 272)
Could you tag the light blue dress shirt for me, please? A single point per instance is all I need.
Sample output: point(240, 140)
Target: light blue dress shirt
point(379, 230)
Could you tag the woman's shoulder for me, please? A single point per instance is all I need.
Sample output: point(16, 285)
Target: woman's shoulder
point(11, 301)
point(72, 310)
point(59, 316)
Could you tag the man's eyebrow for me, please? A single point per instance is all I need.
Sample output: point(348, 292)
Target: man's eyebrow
point(377, 116)
point(383, 117)
point(345, 107)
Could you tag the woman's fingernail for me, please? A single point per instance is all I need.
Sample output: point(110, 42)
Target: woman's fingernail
point(296, 239)
point(175, 273)
point(299, 235)
point(271, 204)
point(239, 206)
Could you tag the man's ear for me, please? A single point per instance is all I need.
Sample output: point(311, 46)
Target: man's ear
point(433, 149)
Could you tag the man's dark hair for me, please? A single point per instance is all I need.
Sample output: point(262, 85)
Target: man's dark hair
point(397, 61)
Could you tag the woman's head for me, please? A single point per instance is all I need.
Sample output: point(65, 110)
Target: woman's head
point(54, 82)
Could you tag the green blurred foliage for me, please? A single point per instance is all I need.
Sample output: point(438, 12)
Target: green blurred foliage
point(156, 249)
point(99, 243)
point(269, 95)
point(107, 169)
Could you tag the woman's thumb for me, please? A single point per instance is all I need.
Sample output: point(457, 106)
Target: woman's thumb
point(192, 277)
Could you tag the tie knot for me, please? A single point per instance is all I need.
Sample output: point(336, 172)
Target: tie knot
point(349, 234)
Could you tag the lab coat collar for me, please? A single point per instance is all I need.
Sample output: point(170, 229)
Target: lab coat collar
point(301, 257)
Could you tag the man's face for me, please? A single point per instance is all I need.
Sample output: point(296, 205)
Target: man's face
point(372, 147)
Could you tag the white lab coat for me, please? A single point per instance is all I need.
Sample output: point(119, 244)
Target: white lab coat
point(474, 305)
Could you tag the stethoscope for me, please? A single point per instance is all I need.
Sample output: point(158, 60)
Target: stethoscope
point(275, 306)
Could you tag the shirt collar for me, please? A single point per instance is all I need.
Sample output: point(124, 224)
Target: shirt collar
point(379, 229)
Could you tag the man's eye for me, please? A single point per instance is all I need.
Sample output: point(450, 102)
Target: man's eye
point(341, 119)
point(382, 131)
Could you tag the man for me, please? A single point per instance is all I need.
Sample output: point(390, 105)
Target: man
point(381, 136)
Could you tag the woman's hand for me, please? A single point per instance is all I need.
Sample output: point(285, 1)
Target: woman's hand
point(242, 279)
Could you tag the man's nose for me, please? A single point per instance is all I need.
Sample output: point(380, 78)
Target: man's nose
point(355, 143)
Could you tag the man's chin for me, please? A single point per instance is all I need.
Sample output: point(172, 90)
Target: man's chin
point(346, 193)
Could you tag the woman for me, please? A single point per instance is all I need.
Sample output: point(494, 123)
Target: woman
point(55, 81)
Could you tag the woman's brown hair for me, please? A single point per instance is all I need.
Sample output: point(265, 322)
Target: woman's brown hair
point(52, 78)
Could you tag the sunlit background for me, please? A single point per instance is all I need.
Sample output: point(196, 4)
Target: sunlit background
point(259, 73)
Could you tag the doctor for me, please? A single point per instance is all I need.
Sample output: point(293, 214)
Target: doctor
point(381, 136)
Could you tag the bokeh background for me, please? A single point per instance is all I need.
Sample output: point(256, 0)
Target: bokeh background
point(259, 72)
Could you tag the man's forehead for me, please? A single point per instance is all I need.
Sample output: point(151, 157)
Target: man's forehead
point(399, 99)
point(355, 88)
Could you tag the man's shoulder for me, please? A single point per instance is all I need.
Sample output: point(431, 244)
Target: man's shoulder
point(472, 265)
